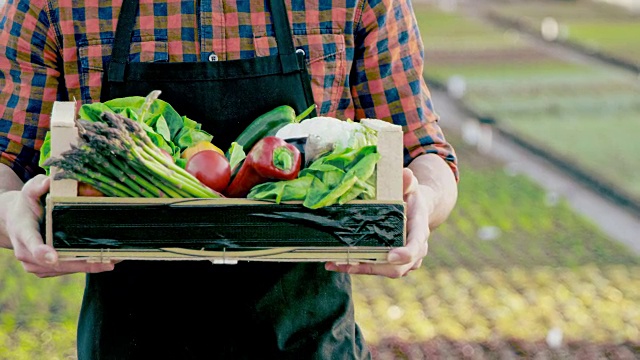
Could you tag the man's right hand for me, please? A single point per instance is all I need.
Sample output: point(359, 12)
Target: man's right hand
point(24, 215)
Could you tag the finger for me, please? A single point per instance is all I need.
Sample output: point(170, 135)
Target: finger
point(390, 271)
point(24, 224)
point(36, 187)
point(41, 271)
point(28, 244)
point(68, 267)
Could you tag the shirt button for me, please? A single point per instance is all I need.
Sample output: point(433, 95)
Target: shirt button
point(213, 57)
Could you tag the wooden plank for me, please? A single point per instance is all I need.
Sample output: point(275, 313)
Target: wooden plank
point(290, 254)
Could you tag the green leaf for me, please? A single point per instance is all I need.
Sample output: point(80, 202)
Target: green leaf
point(318, 199)
point(157, 139)
point(188, 137)
point(45, 152)
point(174, 121)
point(181, 162)
point(92, 112)
point(278, 191)
point(128, 113)
point(162, 128)
point(235, 155)
point(188, 123)
point(121, 104)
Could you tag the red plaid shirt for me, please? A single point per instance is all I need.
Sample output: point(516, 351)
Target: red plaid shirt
point(365, 58)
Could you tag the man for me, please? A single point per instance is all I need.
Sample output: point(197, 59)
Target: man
point(363, 59)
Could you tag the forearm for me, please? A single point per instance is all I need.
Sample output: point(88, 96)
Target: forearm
point(10, 184)
point(438, 184)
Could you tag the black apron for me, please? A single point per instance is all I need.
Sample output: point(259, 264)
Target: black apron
point(194, 309)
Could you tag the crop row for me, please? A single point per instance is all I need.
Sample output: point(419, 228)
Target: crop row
point(584, 113)
point(610, 31)
point(538, 267)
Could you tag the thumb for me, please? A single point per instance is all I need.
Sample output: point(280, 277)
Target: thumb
point(36, 187)
point(409, 182)
point(33, 191)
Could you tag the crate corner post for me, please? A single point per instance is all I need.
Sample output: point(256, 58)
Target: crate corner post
point(389, 168)
point(63, 134)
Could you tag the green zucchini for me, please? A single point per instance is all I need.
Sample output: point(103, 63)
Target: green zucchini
point(268, 124)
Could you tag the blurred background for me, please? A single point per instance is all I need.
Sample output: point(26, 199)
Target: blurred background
point(541, 256)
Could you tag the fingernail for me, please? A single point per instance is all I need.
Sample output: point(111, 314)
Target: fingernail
point(49, 258)
point(394, 258)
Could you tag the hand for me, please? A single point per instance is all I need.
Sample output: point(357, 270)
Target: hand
point(404, 259)
point(23, 224)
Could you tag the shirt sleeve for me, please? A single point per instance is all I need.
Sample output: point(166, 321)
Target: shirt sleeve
point(28, 83)
point(387, 81)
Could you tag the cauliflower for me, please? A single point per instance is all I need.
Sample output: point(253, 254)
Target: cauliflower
point(325, 134)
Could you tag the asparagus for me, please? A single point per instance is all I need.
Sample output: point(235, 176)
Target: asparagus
point(118, 158)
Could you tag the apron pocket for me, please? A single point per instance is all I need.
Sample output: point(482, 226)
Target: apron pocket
point(93, 55)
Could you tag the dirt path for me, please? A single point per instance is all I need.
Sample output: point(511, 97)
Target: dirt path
point(614, 221)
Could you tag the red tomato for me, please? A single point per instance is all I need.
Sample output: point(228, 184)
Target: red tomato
point(211, 168)
point(85, 189)
point(167, 155)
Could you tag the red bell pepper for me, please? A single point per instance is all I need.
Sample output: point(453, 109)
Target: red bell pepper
point(270, 159)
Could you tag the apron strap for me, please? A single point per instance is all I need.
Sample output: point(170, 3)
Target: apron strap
point(286, 50)
point(289, 59)
point(122, 44)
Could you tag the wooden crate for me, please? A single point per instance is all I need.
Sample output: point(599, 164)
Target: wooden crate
point(101, 229)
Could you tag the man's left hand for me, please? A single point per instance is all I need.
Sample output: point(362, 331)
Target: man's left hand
point(404, 259)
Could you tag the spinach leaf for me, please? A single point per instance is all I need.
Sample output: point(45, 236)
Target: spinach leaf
point(336, 178)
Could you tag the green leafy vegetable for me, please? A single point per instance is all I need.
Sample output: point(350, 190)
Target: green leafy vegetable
point(116, 156)
point(337, 178)
point(164, 126)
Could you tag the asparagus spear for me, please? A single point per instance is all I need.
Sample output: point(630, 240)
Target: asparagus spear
point(117, 156)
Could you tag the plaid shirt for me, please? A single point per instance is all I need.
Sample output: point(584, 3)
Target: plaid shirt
point(365, 58)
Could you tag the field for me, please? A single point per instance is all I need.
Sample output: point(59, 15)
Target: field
point(514, 273)
point(597, 28)
point(582, 113)
point(512, 264)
